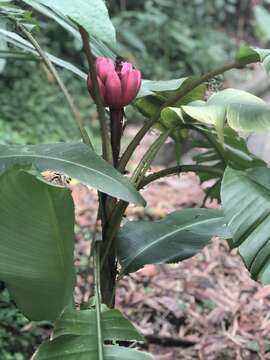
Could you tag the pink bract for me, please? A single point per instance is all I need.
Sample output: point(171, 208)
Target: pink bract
point(119, 83)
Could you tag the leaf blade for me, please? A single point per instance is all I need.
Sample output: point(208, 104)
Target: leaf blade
point(20, 42)
point(76, 160)
point(37, 229)
point(98, 48)
point(241, 111)
point(84, 348)
point(76, 337)
point(114, 325)
point(179, 236)
point(92, 16)
point(248, 217)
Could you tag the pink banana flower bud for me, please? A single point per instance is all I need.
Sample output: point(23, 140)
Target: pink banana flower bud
point(119, 83)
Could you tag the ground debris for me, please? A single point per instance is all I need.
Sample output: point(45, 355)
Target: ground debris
point(200, 309)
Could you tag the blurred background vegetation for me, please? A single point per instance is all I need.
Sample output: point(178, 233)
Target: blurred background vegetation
point(165, 39)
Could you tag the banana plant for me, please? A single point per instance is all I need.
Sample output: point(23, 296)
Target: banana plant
point(37, 217)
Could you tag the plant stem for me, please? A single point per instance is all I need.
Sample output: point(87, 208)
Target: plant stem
point(148, 157)
point(219, 149)
point(208, 192)
point(116, 122)
point(98, 299)
point(176, 170)
point(108, 273)
point(206, 134)
point(115, 222)
point(116, 217)
point(60, 83)
point(183, 91)
point(106, 145)
point(119, 211)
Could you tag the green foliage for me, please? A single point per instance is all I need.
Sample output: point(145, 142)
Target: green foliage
point(76, 337)
point(21, 16)
point(3, 45)
point(18, 338)
point(233, 152)
point(248, 217)
point(115, 326)
point(36, 246)
point(226, 13)
point(33, 110)
point(98, 47)
point(92, 16)
point(86, 348)
point(154, 94)
point(160, 36)
point(27, 47)
point(247, 55)
point(37, 218)
point(76, 160)
point(262, 21)
point(236, 108)
point(180, 235)
point(213, 11)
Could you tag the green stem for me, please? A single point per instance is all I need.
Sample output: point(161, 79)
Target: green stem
point(116, 122)
point(106, 145)
point(209, 191)
point(211, 74)
point(170, 102)
point(60, 83)
point(206, 134)
point(140, 181)
point(98, 299)
point(104, 201)
point(176, 170)
point(148, 157)
point(116, 217)
point(119, 278)
point(115, 222)
point(119, 211)
point(218, 148)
